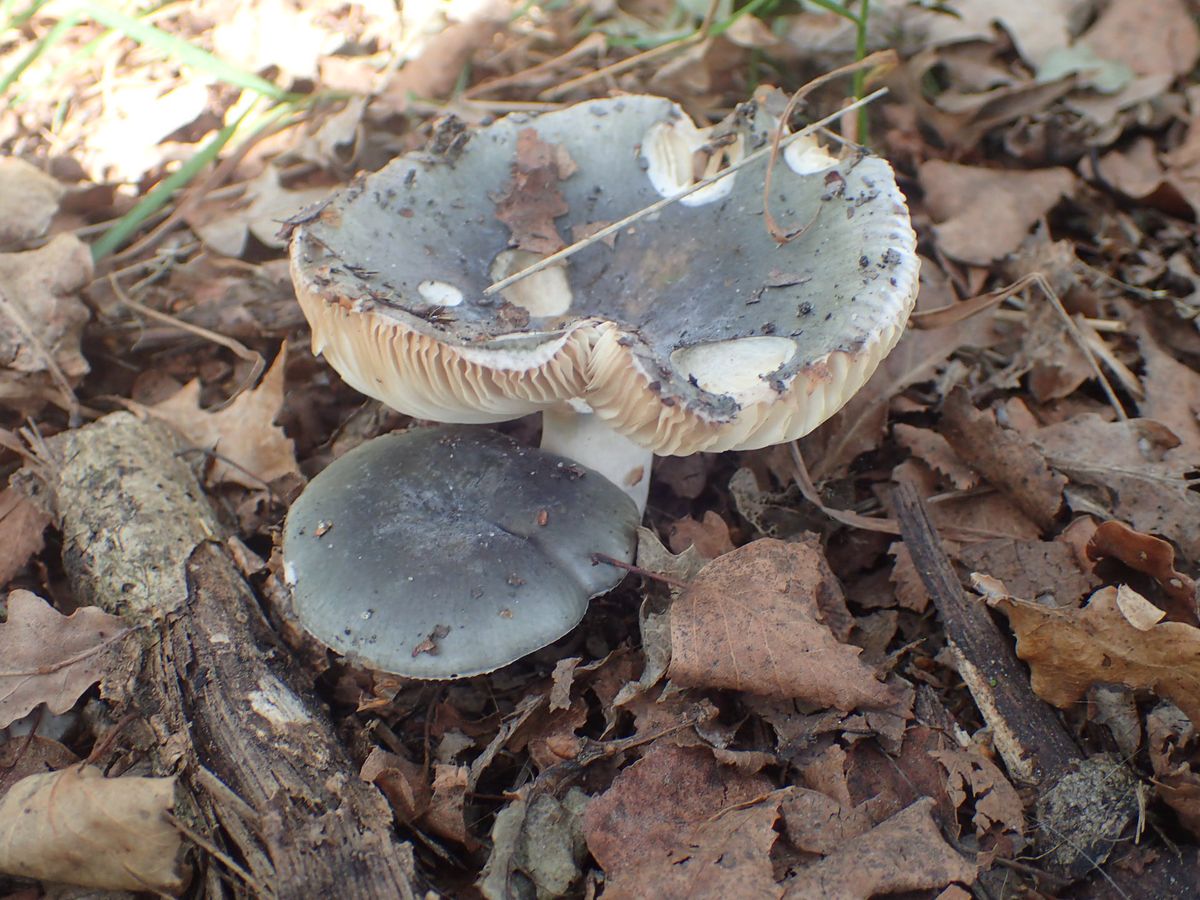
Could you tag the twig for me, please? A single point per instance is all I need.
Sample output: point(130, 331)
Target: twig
point(698, 37)
point(881, 58)
point(598, 558)
point(600, 235)
point(258, 364)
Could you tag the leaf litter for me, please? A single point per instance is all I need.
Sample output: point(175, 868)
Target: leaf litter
point(783, 715)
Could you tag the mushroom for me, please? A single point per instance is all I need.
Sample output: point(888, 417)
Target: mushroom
point(690, 330)
point(447, 552)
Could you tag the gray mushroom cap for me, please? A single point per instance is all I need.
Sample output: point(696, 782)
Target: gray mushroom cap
point(692, 330)
point(448, 552)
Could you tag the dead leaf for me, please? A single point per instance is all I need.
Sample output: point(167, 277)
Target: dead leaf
point(123, 142)
point(243, 433)
point(1152, 37)
point(817, 823)
point(1171, 741)
point(41, 316)
point(46, 657)
point(905, 853)
point(662, 827)
point(1039, 570)
point(1144, 553)
point(28, 201)
point(1037, 27)
point(752, 621)
point(22, 524)
point(1172, 393)
point(403, 782)
point(935, 452)
point(710, 537)
point(533, 199)
point(78, 827)
point(1129, 472)
point(985, 214)
point(543, 840)
point(31, 754)
point(970, 774)
point(1117, 637)
point(274, 34)
point(445, 814)
point(264, 205)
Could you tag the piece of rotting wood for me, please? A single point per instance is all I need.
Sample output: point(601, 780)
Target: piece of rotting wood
point(1027, 732)
point(272, 785)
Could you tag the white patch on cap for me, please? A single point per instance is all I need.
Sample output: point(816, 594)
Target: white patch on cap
point(669, 149)
point(439, 293)
point(735, 367)
point(805, 156)
point(544, 293)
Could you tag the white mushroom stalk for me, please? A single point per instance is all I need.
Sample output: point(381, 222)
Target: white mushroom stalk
point(583, 436)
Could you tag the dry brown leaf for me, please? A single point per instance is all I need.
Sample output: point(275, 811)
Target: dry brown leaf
point(1172, 393)
point(1118, 637)
point(265, 34)
point(985, 214)
point(998, 806)
point(859, 426)
point(31, 754)
point(930, 447)
point(710, 537)
point(673, 813)
point(403, 782)
point(265, 204)
point(542, 839)
point(1152, 37)
point(40, 311)
point(752, 620)
point(1171, 741)
point(1144, 553)
point(533, 200)
point(28, 201)
point(1034, 569)
point(816, 823)
point(78, 827)
point(905, 853)
point(1183, 167)
point(1130, 472)
point(1036, 27)
point(445, 814)
point(46, 657)
point(22, 524)
point(258, 452)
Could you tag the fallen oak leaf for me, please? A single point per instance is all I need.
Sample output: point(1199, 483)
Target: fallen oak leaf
point(1118, 637)
point(51, 658)
point(532, 200)
point(78, 827)
point(1150, 555)
point(251, 450)
point(753, 620)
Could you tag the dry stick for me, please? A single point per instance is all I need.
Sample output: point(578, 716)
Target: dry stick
point(593, 43)
point(1035, 746)
point(613, 228)
point(700, 35)
point(598, 558)
point(258, 364)
point(883, 57)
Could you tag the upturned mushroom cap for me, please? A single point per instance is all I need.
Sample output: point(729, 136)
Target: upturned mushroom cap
point(693, 330)
point(447, 552)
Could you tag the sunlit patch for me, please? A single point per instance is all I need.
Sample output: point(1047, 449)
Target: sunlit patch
point(735, 367)
point(678, 154)
point(544, 293)
point(439, 293)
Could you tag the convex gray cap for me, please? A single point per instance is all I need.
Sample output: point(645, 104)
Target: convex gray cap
point(689, 330)
point(447, 552)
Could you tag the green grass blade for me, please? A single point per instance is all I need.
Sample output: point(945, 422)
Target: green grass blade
point(180, 50)
point(129, 223)
point(51, 37)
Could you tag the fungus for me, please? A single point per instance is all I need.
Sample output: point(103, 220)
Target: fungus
point(447, 552)
point(690, 330)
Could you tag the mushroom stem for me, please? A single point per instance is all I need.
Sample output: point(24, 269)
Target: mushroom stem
point(587, 439)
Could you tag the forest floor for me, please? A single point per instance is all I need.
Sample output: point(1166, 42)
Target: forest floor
point(946, 645)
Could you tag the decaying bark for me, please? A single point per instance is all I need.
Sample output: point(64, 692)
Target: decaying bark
point(228, 706)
